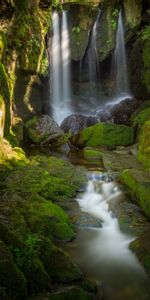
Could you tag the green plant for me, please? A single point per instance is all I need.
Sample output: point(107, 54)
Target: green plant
point(113, 24)
point(76, 29)
point(146, 33)
point(115, 12)
point(24, 256)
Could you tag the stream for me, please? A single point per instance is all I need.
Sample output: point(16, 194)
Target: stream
point(102, 251)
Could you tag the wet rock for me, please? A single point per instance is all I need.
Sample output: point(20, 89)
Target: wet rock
point(75, 123)
point(82, 19)
point(121, 113)
point(43, 129)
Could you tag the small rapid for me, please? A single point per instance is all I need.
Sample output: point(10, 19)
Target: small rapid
point(103, 252)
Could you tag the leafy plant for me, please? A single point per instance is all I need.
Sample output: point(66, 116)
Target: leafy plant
point(146, 33)
point(24, 256)
point(76, 29)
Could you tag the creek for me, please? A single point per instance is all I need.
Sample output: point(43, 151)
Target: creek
point(101, 249)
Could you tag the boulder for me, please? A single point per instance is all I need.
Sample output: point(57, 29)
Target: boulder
point(75, 123)
point(122, 112)
point(109, 135)
point(138, 183)
point(43, 129)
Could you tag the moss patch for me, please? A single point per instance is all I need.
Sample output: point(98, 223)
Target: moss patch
point(110, 135)
point(139, 185)
point(144, 145)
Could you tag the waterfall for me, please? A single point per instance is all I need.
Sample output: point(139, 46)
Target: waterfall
point(122, 89)
point(61, 82)
point(92, 56)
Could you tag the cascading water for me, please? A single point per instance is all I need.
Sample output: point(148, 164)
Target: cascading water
point(92, 56)
point(61, 82)
point(103, 252)
point(120, 70)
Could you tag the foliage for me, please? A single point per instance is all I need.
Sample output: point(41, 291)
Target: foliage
point(146, 33)
point(76, 29)
point(114, 19)
point(24, 256)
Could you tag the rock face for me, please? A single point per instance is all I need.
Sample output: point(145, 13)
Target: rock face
point(43, 129)
point(82, 19)
point(106, 37)
point(109, 135)
point(75, 123)
point(140, 65)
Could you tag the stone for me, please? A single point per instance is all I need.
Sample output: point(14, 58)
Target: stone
point(139, 64)
point(109, 135)
point(43, 129)
point(75, 123)
point(123, 112)
point(12, 279)
point(138, 183)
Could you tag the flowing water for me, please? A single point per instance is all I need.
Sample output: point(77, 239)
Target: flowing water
point(103, 252)
point(120, 70)
point(61, 77)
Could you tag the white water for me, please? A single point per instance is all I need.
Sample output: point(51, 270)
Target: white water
point(61, 82)
point(104, 252)
point(120, 70)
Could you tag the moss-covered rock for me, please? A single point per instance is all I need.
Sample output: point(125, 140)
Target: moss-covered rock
point(47, 218)
point(132, 16)
point(107, 29)
point(110, 135)
point(10, 155)
point(139, 186)
point(144, 145)
point(43, 129)
point(92, 153)
point(58, 264)
point(140, 64)
point(11, 278)
point(82, 19)
point(141, 117)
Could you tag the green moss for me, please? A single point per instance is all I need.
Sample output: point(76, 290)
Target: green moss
point(138, 184)
point(33, 133)
point(145, 40)
point(11, 278)
point(2, 45)
point(142, 117)
point(47, 218)
point(11, 156)
point(107, 134)
point(4, 90)
point(144, 145)
point(92, 153)
point(58, 264)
